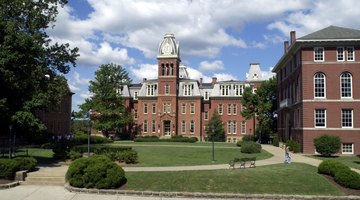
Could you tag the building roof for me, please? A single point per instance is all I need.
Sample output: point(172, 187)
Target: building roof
point(255, 73)
point(331, 33)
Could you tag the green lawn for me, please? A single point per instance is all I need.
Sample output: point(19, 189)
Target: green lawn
point(351, 161)
point(295, 178)
point(185, 154)
point(43, 156)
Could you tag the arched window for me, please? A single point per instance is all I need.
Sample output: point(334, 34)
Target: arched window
point(319, 85)
point(167, 70)
point(346, 85)
point(162, 69)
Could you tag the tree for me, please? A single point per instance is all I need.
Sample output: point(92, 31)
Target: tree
point(31, 66)
point(109, 112)
point(261, 105)
point(215, 129)
point(327, 145)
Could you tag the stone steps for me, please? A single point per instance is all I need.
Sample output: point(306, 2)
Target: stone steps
point(46, 176)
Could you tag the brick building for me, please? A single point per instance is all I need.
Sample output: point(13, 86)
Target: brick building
point(317, 92)
point(174, 104)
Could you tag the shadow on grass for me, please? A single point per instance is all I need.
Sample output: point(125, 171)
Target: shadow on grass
point(321, 156)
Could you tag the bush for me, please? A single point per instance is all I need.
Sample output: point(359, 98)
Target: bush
point(348, 178)
point(146, 139)
point(239, 143)
point(177, 138)
point(330, 167)
point(130, 157)
point(8, 167)
point(327, 145)
point(248, 138)
point(61, 149)
point(250, 147)
point(74, 155)
point(95, 172)
point(99, 149)
point(276, 141)
point(294, 146)
point(48, 145)
point(80, 139)
point(26, 163)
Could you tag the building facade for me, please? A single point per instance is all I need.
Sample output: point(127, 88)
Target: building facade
point(174, 104)
point(317, 92)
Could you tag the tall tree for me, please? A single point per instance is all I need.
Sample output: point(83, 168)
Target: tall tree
point(109, 112)
point(31, 66)
point(262, 106)
point(215, 129)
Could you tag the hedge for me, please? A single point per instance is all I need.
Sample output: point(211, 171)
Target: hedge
point(250, 147)
point(172, 139)
point(95, 172)
point(99, 149)
point(293, 145)
point(80, 139)
point(327, 145)
point(8, 167)
point(276, 141)
point(330, 167)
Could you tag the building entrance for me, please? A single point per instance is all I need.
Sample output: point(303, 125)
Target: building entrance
point(167, 126)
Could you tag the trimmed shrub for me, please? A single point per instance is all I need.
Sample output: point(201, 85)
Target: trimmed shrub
point(80, 139)
point(8, 168)
point(330, 167)
point(239, 143)
point(276, 141)
point(130, 157)
point(327, 145)
point(74, 155)
point(293, 145)
point(348, 178)
point(95, 172)
point(248, 138)
point(26, 163)
point(250, 147)
point(100, 149)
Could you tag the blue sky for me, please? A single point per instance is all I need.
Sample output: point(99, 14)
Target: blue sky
point(217, 38)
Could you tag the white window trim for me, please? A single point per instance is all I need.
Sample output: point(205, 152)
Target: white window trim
point(183, 111)
point(353, 53)
point(136, 95)
point(234, 109)
point(324, 97)
point(337, 54)
point(206, 95)
point(147, 108)
point(206, 115)
point(348, 153)
point(229, 110)
point(152, 126)
point(222, 109)
point(183, 125)
point(352, 119)
point(152, 108)
point(136, 114)
point(167, 89)
point(315, 119)
point(192, 108)
point(229, 127)
point(350, 97)
point(243, 133)
point(323, 52)
point(234, 127)
point(147, 127)
point(193, 131)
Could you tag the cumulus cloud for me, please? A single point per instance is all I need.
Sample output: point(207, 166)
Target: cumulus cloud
point(268, 74)
point(211, 66)
point(224, 77)
point(79, 80)
point(148, 71)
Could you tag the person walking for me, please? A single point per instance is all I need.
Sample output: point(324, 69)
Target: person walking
point(287, 155)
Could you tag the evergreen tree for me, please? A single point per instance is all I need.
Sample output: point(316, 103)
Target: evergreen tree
point(215, 129)
point(108, 111)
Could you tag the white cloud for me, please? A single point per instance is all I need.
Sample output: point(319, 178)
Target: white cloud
point(211, 66)
point(79, 80)
point(85, 94)
point(148, 71)
point(268, 74)
point(73, 88)
point(258, 45)
point(224, 77)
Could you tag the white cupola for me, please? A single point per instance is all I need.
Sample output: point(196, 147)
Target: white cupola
point(169, 48)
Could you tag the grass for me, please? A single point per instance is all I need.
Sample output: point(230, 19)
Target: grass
point(186, 154)
point(351, 161)
point(296, 178)
point(43, 156)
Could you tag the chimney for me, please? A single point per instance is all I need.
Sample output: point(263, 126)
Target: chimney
point(214, 79)
point(201, 81)
point(286, 47)
point(144, 79)
point(292, 37)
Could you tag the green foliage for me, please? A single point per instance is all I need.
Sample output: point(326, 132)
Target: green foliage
point(146, 139)
point(74, 155)
point(250, 147)
point(8, 167)
point(248, 138)
point(172, 139)
point(293, 145)
point(130, 157)
point(110, 114)
point(348, 178)
point(214, 129)
point(95, 172)
point(331, 167)
point(327, 145)
point(26, 163)
point(47, 145)
point(276, 141)
point(239, 143)
point(80, 139)
point(100, 149)
point(31, 66)
point(61, 149)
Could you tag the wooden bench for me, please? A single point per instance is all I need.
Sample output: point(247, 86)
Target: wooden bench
point(242, 162)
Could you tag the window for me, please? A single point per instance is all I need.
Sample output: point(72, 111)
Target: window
point(319, 85)
point(188, 89)
point(239, 89)
point(135, 95)
point(145, 126)
point(229, 109)
point(167, 108)
point(206, 115)
point(243, 127)
point(183, 108)
point(153, 126)
point(318, 54)
point(346, 118)
point(346, 85)
point(350, 54)
point(192, 108)
point(183, 127)
point(206, 95)
point(225, 90)
point(151, 89)
point(348, 148)
point(229, 123)
point(234, 109)
point(135, 114)
point(167, 89)
point(234, 127)
point(145, 108)
point(320, 118)
point(192, 127)
point(154, 108)
point(340, 54)
point(220, 109)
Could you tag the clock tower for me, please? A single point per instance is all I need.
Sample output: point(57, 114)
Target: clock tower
point(168, 80)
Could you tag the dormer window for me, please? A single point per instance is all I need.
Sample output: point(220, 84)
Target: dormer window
point(239, 89)
point(206, 95)
point(188, 89)
point(225, 90)
point(151, 89)
point(135, 95)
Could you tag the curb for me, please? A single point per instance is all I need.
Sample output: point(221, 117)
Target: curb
point(9, 185)
point(204, 195)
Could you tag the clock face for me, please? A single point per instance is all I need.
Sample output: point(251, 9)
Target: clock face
point(166, 49)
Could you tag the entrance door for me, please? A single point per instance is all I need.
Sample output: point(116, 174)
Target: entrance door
point(167, 128)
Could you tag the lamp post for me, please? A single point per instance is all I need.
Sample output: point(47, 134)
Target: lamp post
point(212, 139)
point(10, 146)
point(88, 116)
